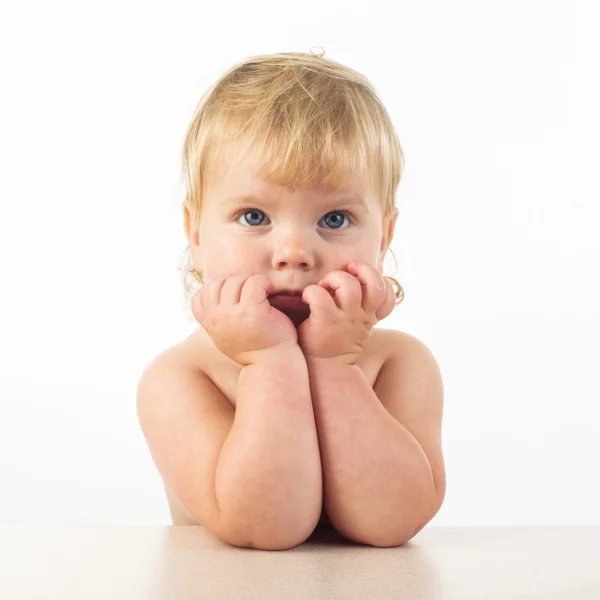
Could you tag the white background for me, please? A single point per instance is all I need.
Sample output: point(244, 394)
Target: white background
point(496, 106)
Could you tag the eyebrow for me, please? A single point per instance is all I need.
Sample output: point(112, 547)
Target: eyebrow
point(351, 200)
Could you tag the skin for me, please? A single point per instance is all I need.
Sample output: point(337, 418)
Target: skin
point(297, 237)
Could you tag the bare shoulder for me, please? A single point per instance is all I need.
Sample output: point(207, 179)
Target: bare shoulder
point(399, 343)
point(187, 355)
point(394, 342)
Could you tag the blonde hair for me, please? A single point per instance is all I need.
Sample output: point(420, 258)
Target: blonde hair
point(307, 117)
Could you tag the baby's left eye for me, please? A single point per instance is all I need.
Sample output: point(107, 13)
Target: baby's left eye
point(336, 220)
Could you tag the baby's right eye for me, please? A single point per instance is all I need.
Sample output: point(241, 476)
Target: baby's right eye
point(253, 212)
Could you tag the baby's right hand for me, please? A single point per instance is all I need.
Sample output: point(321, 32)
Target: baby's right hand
point(241, 322)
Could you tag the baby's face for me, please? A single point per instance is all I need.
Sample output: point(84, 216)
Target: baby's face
point(293, 236)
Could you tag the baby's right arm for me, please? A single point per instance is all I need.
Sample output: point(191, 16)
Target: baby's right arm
point(268, 480)
point(251, 476)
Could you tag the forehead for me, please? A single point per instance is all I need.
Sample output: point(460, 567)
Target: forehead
point(247, 174)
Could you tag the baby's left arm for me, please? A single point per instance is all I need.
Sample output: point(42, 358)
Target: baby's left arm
point(381, 454)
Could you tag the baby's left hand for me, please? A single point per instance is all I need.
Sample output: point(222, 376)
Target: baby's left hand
point(340, 325)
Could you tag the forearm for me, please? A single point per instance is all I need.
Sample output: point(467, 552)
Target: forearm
point(268, 479)
point(378, 483)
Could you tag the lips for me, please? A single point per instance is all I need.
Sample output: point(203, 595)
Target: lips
point(288, 300)
point(292, 306)
point(287, 293)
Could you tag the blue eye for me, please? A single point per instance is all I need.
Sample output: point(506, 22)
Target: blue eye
point(255, 216)
point(252, 212)
point(338, 220)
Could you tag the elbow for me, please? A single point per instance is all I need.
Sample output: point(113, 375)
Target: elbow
point(389, 533)
point(380, 539)
point(264, 542)
point(266, 545)
point(267, 538)
point(391, 538)
point(404, 532)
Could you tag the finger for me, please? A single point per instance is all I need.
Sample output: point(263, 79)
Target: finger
point(346, 289)
point(388, 304)
point(212, 293)
point(232, 289)
point(372, 283)
point(198, 303)
point(206, 299)
point(256, 289)
point(322, 305)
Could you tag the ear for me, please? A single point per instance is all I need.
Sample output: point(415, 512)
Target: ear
point(191, 227)
point(387, 234)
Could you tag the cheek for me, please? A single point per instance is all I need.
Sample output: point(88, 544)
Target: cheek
point(225, 259)
point(358, 256)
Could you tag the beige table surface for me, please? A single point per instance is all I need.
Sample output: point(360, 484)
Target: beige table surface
point(64, 562)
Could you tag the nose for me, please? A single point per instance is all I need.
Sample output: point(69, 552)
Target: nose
point(293, 251)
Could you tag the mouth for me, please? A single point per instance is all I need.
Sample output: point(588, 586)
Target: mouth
point(289, 300)
point(287, 293)
point(291, 305)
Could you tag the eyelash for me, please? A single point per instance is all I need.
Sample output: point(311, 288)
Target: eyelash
point(346, 213)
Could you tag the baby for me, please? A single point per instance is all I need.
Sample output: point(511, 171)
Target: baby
point(287, 410)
